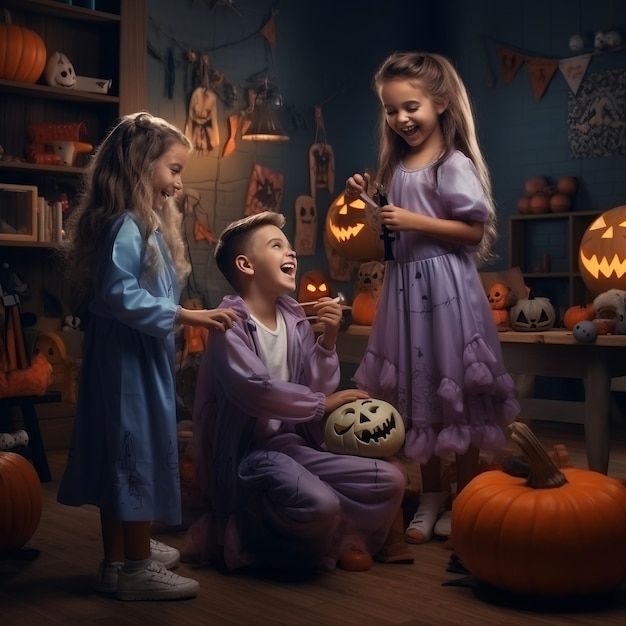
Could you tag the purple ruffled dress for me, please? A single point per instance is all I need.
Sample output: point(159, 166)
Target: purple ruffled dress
point(434, 350)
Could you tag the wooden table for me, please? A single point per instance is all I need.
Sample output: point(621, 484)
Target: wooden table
point(553, 353)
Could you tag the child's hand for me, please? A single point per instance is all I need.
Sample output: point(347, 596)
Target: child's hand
point(396, 218)
point(357, 184)
point(337, 399)
point(215, 320)
point(329, 313)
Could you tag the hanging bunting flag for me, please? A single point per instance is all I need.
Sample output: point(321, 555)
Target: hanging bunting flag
point(510, 62)
point(541, 72)
point(573, 69)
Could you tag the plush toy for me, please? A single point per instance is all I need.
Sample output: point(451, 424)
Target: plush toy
point(368, 427)
point(59, 71)
point(501, 299)
point(610, 312)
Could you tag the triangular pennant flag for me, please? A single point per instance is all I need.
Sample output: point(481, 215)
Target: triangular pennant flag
point(573, 69)
point(541, 72)
point(510, 62)
point(269, 31)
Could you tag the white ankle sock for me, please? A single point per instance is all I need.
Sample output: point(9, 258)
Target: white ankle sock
point(136, 566)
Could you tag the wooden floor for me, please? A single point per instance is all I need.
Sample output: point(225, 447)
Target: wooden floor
point(55, 587)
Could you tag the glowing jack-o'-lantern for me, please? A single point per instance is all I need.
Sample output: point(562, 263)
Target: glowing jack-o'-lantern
point(602, 252)
point(368, 427)
point(348, 232)
point(313, 286)
point(532, 314)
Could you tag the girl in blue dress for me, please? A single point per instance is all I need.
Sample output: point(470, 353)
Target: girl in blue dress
point(434, 350)
point(126, 252)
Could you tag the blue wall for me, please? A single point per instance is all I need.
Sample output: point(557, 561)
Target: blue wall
point(326, 54)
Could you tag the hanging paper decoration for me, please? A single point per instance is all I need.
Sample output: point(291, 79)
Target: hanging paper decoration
point(201, 126)
point(306, 226)
point(192, 205)
point(596, 116)
point(339, 268)
point(573, 70)
point(541, 72)
point(510, 62)
point(265, 190)
point(321, 158)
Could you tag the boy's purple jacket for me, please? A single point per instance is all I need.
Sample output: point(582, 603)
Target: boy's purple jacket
point(237, 403)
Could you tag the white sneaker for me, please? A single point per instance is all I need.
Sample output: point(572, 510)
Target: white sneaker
point(443, 526)
point(155, 582)
point(431, 506)
point(106, 578)
point(164, 554)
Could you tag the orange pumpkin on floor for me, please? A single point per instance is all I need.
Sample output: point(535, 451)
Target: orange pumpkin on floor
point(553, 534)
point(21, 501)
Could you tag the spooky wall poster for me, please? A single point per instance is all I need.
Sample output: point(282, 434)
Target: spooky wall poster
point(265, 190)
point(596, 116)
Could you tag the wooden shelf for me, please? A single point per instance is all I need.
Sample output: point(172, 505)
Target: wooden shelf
point(59, 9)
point(563, 283)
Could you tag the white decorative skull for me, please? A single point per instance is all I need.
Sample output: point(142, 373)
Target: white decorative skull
point(370, 428)
point(59, 72)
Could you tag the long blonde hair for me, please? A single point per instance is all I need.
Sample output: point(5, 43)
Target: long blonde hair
point(119, 179)
point(441, 82)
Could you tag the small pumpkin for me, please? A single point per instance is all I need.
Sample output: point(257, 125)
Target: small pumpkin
point(313, 286)
point(21, 501)
point(556, 533)
point(578, 313)
point(367, 292)
point(532, 314)
point(22, 53)
point(364, 306)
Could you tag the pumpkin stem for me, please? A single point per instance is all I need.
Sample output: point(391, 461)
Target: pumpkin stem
point(544, 474)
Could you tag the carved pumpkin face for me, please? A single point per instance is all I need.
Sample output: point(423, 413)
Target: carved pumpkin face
point(370, 428)
point(602, 252)
point(349, 233)
point(313, 286)
point(498, 296)
point(532, 314)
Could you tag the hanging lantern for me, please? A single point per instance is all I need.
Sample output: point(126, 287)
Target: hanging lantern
point(602, 252)
point(348, 232)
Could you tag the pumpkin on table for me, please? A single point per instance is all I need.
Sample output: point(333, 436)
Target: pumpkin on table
point(21, 501)
point(602, 254)
point(556, 533)
point(532, 314)
point(578, 313)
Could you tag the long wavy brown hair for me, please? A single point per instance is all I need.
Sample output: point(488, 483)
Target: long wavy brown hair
point(119, 179)
point(440, 81)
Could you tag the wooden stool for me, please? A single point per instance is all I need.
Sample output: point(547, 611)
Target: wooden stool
point(31, 426)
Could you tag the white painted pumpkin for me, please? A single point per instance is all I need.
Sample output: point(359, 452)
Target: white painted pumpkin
point(370, 428)
point(532, 314)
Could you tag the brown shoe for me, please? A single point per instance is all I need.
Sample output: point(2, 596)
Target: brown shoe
point(355, 559)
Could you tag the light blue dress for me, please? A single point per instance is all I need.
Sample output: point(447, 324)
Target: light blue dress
point(123, 456)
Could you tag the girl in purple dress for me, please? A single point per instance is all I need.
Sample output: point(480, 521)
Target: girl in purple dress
point(434, 350)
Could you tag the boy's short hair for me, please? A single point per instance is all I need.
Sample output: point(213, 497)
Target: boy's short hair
point(234, 239)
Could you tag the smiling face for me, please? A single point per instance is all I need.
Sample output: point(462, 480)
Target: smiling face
point(413, 115)
point(271, 260)
point(166, 180)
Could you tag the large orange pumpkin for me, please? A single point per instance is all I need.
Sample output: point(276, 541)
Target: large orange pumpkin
point(554, 534)
point(20, 501)
point(22, 53)
point(348, 232)
point(602, 252)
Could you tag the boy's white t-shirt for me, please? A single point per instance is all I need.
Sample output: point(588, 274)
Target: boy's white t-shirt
point(273, 347)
